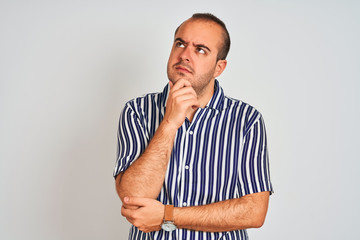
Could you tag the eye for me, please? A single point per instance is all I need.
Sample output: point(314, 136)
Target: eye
point(200, 50)
point(179, 44)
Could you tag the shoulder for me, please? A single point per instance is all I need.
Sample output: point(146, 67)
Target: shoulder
point(246, 108)
point(145, 101)
point(243, 111)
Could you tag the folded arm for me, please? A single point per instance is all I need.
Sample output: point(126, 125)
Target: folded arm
point(248, 211)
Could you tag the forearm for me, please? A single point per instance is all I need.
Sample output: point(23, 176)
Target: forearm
point(241, 213)
point(145, 177)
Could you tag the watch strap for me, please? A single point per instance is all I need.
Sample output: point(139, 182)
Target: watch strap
point(169, 213)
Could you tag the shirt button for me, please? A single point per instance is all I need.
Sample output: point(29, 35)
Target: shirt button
point(187, 167)
point(191, 132)
point(184, 204)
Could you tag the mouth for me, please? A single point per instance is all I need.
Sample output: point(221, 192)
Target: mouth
point(183, 69)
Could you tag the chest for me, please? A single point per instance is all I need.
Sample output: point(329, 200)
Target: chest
point(205, 161)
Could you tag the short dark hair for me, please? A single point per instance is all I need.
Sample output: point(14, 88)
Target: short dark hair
point(224, 49)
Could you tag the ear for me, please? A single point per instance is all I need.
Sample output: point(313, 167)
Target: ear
point(220, 67)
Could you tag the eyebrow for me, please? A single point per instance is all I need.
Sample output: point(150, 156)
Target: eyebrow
point(195, 45)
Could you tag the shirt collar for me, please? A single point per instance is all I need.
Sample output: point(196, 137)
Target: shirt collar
point(216, 102)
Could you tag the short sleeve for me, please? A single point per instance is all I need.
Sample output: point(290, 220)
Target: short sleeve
point(254, 170)
point(131, 138)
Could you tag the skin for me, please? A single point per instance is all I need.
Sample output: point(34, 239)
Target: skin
point(192, 69)
point(194, 57)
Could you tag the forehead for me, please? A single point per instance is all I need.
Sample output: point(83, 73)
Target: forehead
point(200, 32)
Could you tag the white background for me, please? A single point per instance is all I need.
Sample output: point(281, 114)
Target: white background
point(68, 67)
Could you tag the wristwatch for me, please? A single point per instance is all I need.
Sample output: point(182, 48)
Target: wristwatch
point(168, 223)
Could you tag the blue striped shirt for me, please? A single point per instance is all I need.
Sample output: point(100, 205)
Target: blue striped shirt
point(222, 154)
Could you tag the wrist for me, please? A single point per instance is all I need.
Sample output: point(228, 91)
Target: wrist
point(168, 221)
point(180, 216)
point(169, 126)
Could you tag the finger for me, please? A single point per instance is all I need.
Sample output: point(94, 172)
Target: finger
point(126, 212)
point(184, 88)
point(196, 105)
point(183, 91)
point(132, 207)
point(149, 229)
point(130, 220)
point(184, 99)
point(193, 103)
point(135, 201)
point(179, 95)
point(180, 84)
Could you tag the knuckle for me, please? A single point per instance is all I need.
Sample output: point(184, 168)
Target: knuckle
point(122, 211)
point(134, 216)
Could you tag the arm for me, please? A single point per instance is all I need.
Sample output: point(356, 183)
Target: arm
point(248, 211)
point(144, 178)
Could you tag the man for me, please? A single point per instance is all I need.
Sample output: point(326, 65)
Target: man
point(192, 163)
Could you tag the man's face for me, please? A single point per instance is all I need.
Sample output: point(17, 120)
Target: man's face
point(194, 53)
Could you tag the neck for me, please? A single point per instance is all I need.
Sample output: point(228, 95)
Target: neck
point(206, 93)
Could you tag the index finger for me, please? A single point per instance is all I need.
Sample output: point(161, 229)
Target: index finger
point(135, 201)
point(180, 84)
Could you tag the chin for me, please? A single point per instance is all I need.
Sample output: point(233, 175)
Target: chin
point(175, 77)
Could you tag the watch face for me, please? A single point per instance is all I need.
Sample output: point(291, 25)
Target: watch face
point(168, 226)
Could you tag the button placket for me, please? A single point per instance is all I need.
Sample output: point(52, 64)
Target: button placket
point(189, 136)
point(185, 165)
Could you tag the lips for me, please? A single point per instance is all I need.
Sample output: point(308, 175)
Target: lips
point(182, 68)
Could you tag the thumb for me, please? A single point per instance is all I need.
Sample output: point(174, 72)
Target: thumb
point(171, 84)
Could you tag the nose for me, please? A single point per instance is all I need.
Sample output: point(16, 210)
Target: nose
point(185, 55)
